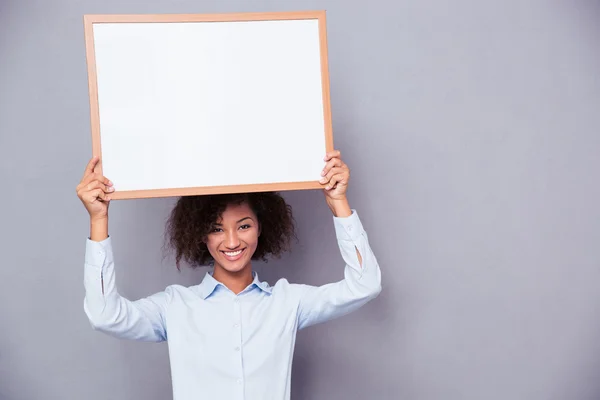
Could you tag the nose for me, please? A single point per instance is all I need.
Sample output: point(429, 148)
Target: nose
point(231, 240)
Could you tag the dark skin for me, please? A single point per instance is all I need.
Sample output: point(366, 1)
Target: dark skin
point(234, 240)
point(232, 244)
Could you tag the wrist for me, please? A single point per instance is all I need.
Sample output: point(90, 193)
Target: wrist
point(339, 207)
point(98, 229)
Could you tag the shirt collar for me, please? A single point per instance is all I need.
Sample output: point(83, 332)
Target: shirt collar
point(209, 284)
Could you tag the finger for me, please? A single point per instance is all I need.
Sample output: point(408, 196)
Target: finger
point(334, 162)
point(95, 195)
point(332, 154)
point(89, 169)
point(341, 178)
point(82, 189)
point(99, 185)
point(333, 182)
point(94, 177)
point(332, 172)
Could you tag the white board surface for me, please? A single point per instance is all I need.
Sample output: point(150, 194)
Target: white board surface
point(196, 104)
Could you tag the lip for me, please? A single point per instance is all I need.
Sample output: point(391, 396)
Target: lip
point(234, 258)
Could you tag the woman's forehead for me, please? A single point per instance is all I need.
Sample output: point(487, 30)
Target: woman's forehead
point(235, 212)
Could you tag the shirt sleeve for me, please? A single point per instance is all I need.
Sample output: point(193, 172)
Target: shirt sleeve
point(113, 314)
point(360, 284)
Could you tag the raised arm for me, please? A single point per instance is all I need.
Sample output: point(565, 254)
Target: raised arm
point(107, 311)
point(361, 283)
point(362, 276)
point(113, 314)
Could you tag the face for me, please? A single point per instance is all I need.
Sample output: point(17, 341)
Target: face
point(233, 239)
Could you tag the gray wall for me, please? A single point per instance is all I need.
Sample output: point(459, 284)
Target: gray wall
point(472, 129)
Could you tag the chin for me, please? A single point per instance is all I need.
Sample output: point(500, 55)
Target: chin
point(229, 267)
point(234, 265)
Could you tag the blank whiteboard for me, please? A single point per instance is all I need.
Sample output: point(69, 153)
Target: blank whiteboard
point(204, 104)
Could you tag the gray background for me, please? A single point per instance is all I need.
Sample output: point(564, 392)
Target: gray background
point(472, 130)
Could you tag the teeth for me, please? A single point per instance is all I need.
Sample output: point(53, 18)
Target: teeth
point(232, 253)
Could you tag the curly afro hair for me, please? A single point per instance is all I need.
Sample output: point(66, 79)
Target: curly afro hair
point(193, 216)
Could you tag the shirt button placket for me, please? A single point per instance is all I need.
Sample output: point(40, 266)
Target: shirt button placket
point(237, 345)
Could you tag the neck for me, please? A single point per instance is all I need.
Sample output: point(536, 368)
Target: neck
point(234, 281)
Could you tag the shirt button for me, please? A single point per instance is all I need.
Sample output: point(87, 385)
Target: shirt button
point(237, 348)
point(239, 381)
point(236, 326)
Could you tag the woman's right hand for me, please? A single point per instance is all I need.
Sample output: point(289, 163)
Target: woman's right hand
point(94, 192)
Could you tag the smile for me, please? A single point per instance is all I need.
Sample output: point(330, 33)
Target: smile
point(233, 255)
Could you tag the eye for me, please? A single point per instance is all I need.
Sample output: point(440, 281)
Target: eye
point(215, 230)
point(245, 226)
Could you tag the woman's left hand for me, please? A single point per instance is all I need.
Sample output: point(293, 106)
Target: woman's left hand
point(336, 175)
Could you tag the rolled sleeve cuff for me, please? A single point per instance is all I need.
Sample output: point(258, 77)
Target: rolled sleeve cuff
point(348, 228)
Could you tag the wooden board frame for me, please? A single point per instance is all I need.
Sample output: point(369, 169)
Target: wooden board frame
point(90, 20)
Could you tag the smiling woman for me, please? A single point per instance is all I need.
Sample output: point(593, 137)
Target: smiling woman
point(232, 336)
point(234, 228)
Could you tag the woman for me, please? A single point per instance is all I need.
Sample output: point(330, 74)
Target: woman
point(232, 336)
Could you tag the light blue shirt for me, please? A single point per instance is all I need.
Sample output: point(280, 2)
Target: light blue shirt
point(227, 346)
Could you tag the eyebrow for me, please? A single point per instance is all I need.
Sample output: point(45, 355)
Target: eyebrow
point(243, 219)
